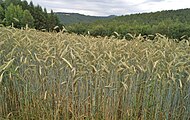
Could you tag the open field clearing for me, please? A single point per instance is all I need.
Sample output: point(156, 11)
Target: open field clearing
point(60, 76)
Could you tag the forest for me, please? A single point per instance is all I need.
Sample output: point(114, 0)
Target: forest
point(172, 23)
point(19, 13)
point(73, 18)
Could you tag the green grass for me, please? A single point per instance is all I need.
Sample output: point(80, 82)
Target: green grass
point(59, 76)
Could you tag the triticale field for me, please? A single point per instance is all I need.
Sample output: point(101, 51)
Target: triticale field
point(61, 76)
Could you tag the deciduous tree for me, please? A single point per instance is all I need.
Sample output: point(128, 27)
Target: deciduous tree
point(27, 18)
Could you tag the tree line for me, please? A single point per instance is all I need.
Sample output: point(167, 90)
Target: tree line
point(19, 13)
point(172, 23)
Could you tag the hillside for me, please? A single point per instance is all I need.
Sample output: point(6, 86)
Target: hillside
point(71, 18)
point(173, 23)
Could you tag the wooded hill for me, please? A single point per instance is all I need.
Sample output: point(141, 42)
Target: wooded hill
point(173, 23)
point(72, 18)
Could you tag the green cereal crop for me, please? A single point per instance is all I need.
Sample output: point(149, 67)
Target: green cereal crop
point(59, 76)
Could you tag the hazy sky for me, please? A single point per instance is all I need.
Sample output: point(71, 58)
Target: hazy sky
point(111, 7)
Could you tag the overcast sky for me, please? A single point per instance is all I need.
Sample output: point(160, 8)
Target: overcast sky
point(111, 7)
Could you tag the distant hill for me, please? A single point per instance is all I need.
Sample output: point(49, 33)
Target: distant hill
point(71, 18)
point(172, 23)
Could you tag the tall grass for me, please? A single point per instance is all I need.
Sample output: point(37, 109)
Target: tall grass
point(63, 76)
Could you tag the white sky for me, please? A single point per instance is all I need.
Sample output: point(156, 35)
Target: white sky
point(111, 7)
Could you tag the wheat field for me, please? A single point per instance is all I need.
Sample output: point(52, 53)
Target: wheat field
point(61, 76)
